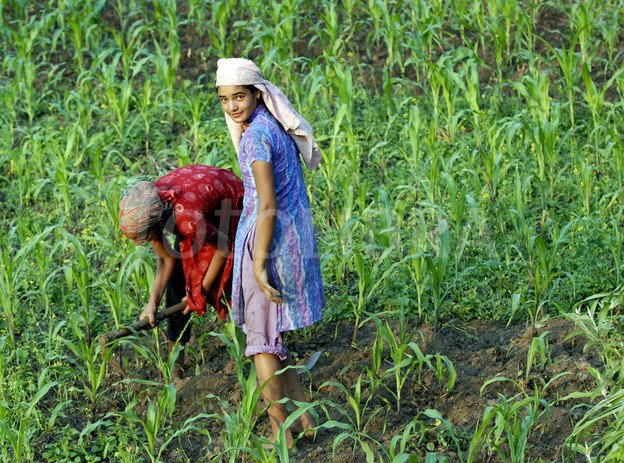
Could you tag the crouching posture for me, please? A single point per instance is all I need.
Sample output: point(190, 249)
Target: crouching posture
point(200, 206)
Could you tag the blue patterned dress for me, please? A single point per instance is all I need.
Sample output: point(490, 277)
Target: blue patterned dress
point(293, 265)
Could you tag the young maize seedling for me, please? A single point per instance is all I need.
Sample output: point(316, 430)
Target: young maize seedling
point(538, 354)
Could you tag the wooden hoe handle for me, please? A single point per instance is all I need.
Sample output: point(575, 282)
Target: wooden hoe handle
point(140, 325)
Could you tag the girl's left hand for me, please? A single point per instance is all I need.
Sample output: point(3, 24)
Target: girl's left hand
point(269, 291)
point(188, 308)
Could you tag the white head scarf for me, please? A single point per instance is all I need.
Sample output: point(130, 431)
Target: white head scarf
point(240, 71)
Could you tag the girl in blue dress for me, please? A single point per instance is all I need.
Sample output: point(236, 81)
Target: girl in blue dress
point(276, 281)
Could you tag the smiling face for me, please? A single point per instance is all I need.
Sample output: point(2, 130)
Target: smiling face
point(238, 101)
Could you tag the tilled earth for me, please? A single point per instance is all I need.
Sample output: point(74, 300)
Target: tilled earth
point(479, 351)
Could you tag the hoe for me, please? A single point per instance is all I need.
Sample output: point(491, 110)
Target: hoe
point(140, 325)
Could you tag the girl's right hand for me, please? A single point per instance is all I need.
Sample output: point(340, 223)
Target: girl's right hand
point(262, 278)
point(149, 312)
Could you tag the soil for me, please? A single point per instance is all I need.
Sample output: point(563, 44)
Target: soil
point(478, 350)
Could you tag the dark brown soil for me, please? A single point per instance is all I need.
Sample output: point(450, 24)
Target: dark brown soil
point(478, 350)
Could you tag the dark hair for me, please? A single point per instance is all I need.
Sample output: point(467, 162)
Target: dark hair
point(253, 90)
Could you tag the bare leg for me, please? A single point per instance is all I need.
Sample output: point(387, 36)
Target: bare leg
point(178, 368)
point(266, 366)
point(294, 391)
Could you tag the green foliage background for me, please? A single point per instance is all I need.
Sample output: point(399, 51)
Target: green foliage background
point(473, 162)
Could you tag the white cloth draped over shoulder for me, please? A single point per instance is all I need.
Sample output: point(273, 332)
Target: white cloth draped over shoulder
point(240, 71)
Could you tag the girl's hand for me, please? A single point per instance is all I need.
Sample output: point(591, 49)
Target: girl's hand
point(188, 308)
point(149, 313)
point(262, 278)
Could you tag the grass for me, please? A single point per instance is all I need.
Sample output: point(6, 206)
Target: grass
point(472, 169)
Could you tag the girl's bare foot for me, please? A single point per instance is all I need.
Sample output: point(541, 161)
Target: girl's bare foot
point(290, 441)
point(306, 425)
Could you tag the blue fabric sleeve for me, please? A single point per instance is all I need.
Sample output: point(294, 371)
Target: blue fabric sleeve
point(258, 144)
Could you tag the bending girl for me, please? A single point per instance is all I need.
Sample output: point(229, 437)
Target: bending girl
point(201, 206)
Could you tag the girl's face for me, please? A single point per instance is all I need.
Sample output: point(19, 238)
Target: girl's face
point(150, 236)
point(238, 101)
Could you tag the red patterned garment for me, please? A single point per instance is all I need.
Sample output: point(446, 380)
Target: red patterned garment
point(205, 200)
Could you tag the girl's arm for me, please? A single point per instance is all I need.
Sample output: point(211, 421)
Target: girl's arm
point(212, 273)
point(265, 226)
point(165, 265)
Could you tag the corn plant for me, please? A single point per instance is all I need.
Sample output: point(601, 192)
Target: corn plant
point(596, 98)
point(238, 434)
point(538, 354)
point(595, 318)
point(613, 150)
point(608, 30)
point(376, 375)
point(194, 108)
point(217, 26)
point(608, 445)
point(359, 413)
point(23, 64)
point(85, 32)
point(614, 240)
point(129, 40)
point(544, 135)
point(470, 86)
point(502, 14)
point(436, 266)
point(16, 440)
point(443, 371)
point(369, 280)
point(545, 271)
point(285, 22)
point(417, 270)
point(442, 79)
point(232, 338)
point(331, 33)
point(587, 175)
point(388, 26)
point(11, 268)
point(8, 290)
point(119, 93)
point(42, 252)
point(422, 41)
point(152, 354)
point(494, 166)
point(402, 362)
point(357, 418)
point(569, 63)
point(330, 157)
point(413, 129)
point(78, 273)
point(506, 426)
point(92, 360)
point(20, 421)
point(582, 22)
point(397, 450)
point(166, 62)
point(152, 425)
point(340, 76)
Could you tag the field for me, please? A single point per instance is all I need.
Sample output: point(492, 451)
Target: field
point(468, 213)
